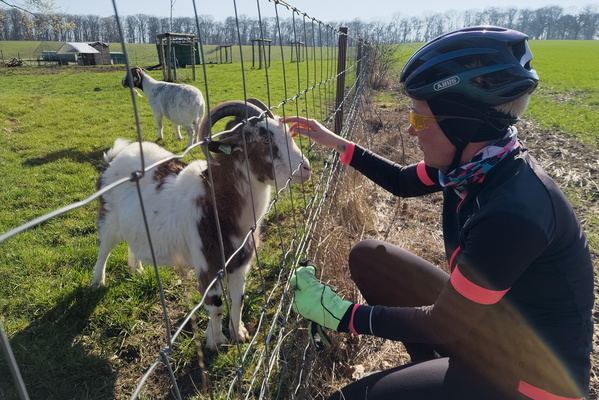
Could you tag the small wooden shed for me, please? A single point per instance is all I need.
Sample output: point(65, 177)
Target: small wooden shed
point(103, 58)
point(95, 53)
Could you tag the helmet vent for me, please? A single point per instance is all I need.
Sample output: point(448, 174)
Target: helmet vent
point(493, 80)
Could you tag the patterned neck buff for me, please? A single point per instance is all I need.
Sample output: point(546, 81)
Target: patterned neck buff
point(474, 172)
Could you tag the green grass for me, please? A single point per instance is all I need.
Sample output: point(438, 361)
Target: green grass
point(146, 55)
point(55, 125)
point(567, 98)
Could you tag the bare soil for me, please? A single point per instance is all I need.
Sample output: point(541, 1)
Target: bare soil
point(360, 210)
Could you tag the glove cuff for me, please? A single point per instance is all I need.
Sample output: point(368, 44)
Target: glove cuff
point(344, 324)
point(351, 319)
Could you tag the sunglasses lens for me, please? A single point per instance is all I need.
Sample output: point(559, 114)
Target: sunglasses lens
point(418, 122)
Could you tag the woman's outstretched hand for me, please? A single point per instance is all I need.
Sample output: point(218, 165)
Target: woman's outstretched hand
point(315, 131)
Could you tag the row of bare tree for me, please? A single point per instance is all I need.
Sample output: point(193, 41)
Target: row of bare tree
point(543, 23)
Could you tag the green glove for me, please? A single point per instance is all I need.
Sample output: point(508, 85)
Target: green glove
point(318, 336)
point(315, 301)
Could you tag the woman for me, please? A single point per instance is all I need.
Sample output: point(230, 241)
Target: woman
point(513, 318)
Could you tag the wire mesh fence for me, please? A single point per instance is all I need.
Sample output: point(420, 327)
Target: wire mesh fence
point(322, 71)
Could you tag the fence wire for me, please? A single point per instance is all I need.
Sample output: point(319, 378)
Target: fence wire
point(277, 368)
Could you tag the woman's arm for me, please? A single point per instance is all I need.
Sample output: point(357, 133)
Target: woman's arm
point(403, 181)
point(316, 132)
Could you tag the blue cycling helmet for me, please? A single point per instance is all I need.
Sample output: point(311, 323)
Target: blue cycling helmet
point(487, 65)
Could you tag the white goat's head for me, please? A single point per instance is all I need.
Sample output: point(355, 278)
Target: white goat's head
point(137, 75)
point(268, 145)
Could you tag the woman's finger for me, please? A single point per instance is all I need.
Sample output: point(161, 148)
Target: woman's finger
point(297, 128)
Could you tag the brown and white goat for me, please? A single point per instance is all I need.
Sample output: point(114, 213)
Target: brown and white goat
point(180, 207)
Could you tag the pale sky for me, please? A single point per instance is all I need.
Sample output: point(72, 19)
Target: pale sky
point(323, 10)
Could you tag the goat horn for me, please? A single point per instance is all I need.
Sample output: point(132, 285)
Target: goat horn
point(233, 108)
point(261, 106)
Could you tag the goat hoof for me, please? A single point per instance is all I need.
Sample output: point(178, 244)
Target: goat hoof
point(215, 341)
point(242, 334)
point(216, 346)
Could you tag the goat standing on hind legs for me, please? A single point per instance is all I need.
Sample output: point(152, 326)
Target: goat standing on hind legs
point(179, 103)
point(180, 207)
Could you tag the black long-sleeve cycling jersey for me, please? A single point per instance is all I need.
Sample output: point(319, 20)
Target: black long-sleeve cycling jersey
point(520, 295)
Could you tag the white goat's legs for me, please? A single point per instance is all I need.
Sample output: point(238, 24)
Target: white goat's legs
point(191, 134)
point(107, 241)
point(133, 263)
point(178, 132)
point(159, 123)
point(235, 288)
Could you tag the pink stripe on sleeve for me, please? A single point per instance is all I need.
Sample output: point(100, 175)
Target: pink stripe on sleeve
point(351, 320)
point(452, 263)
point(474, 292)
point(421, 171)
point(348, 154)
point(536, 393)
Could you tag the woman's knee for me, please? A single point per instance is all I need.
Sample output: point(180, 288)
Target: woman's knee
point(366, 253)
point(388, 275)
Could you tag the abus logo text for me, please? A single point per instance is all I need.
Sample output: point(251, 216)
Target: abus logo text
point(444, 84)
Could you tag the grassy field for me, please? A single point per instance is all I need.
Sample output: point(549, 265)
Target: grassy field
point(145, 55)
point(568, 95)
point(56, 123)
point(75, 342)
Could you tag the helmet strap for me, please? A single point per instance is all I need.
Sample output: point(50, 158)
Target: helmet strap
point(459, 151)
point(489, 124)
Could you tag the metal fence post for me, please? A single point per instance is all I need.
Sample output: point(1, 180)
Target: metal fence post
point(12, 364)
point(341, 60)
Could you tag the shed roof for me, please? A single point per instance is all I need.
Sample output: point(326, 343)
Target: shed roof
point(74, 47)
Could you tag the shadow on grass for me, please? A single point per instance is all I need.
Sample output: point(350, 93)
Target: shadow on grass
point(52, 358)
point(93, 157)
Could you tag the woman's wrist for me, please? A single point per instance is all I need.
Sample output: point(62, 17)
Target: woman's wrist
point(341, 148)
point(347, 154)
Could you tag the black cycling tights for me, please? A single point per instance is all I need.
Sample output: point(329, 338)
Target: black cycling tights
point(438, 379)
point(388, 275)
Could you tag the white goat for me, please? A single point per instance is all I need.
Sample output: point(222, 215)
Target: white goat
point(181, 104)
point(180, 207)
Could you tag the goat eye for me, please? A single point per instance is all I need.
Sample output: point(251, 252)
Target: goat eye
point(265, 134)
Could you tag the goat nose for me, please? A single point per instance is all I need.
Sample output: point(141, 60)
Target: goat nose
point(306, 170)
point(306, 166)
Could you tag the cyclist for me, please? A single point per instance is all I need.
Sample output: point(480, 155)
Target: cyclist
point(513, 317)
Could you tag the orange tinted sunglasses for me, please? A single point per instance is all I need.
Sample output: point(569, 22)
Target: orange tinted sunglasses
point(418, 121)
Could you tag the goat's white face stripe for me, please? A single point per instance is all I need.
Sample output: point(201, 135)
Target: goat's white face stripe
point(290, 157)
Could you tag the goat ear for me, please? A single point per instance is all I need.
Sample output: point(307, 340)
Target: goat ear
point(232, 141)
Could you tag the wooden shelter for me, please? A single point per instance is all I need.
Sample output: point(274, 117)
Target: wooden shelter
point(261, 44)
point(177, 50)
point(297, 49)
point(227, 49)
